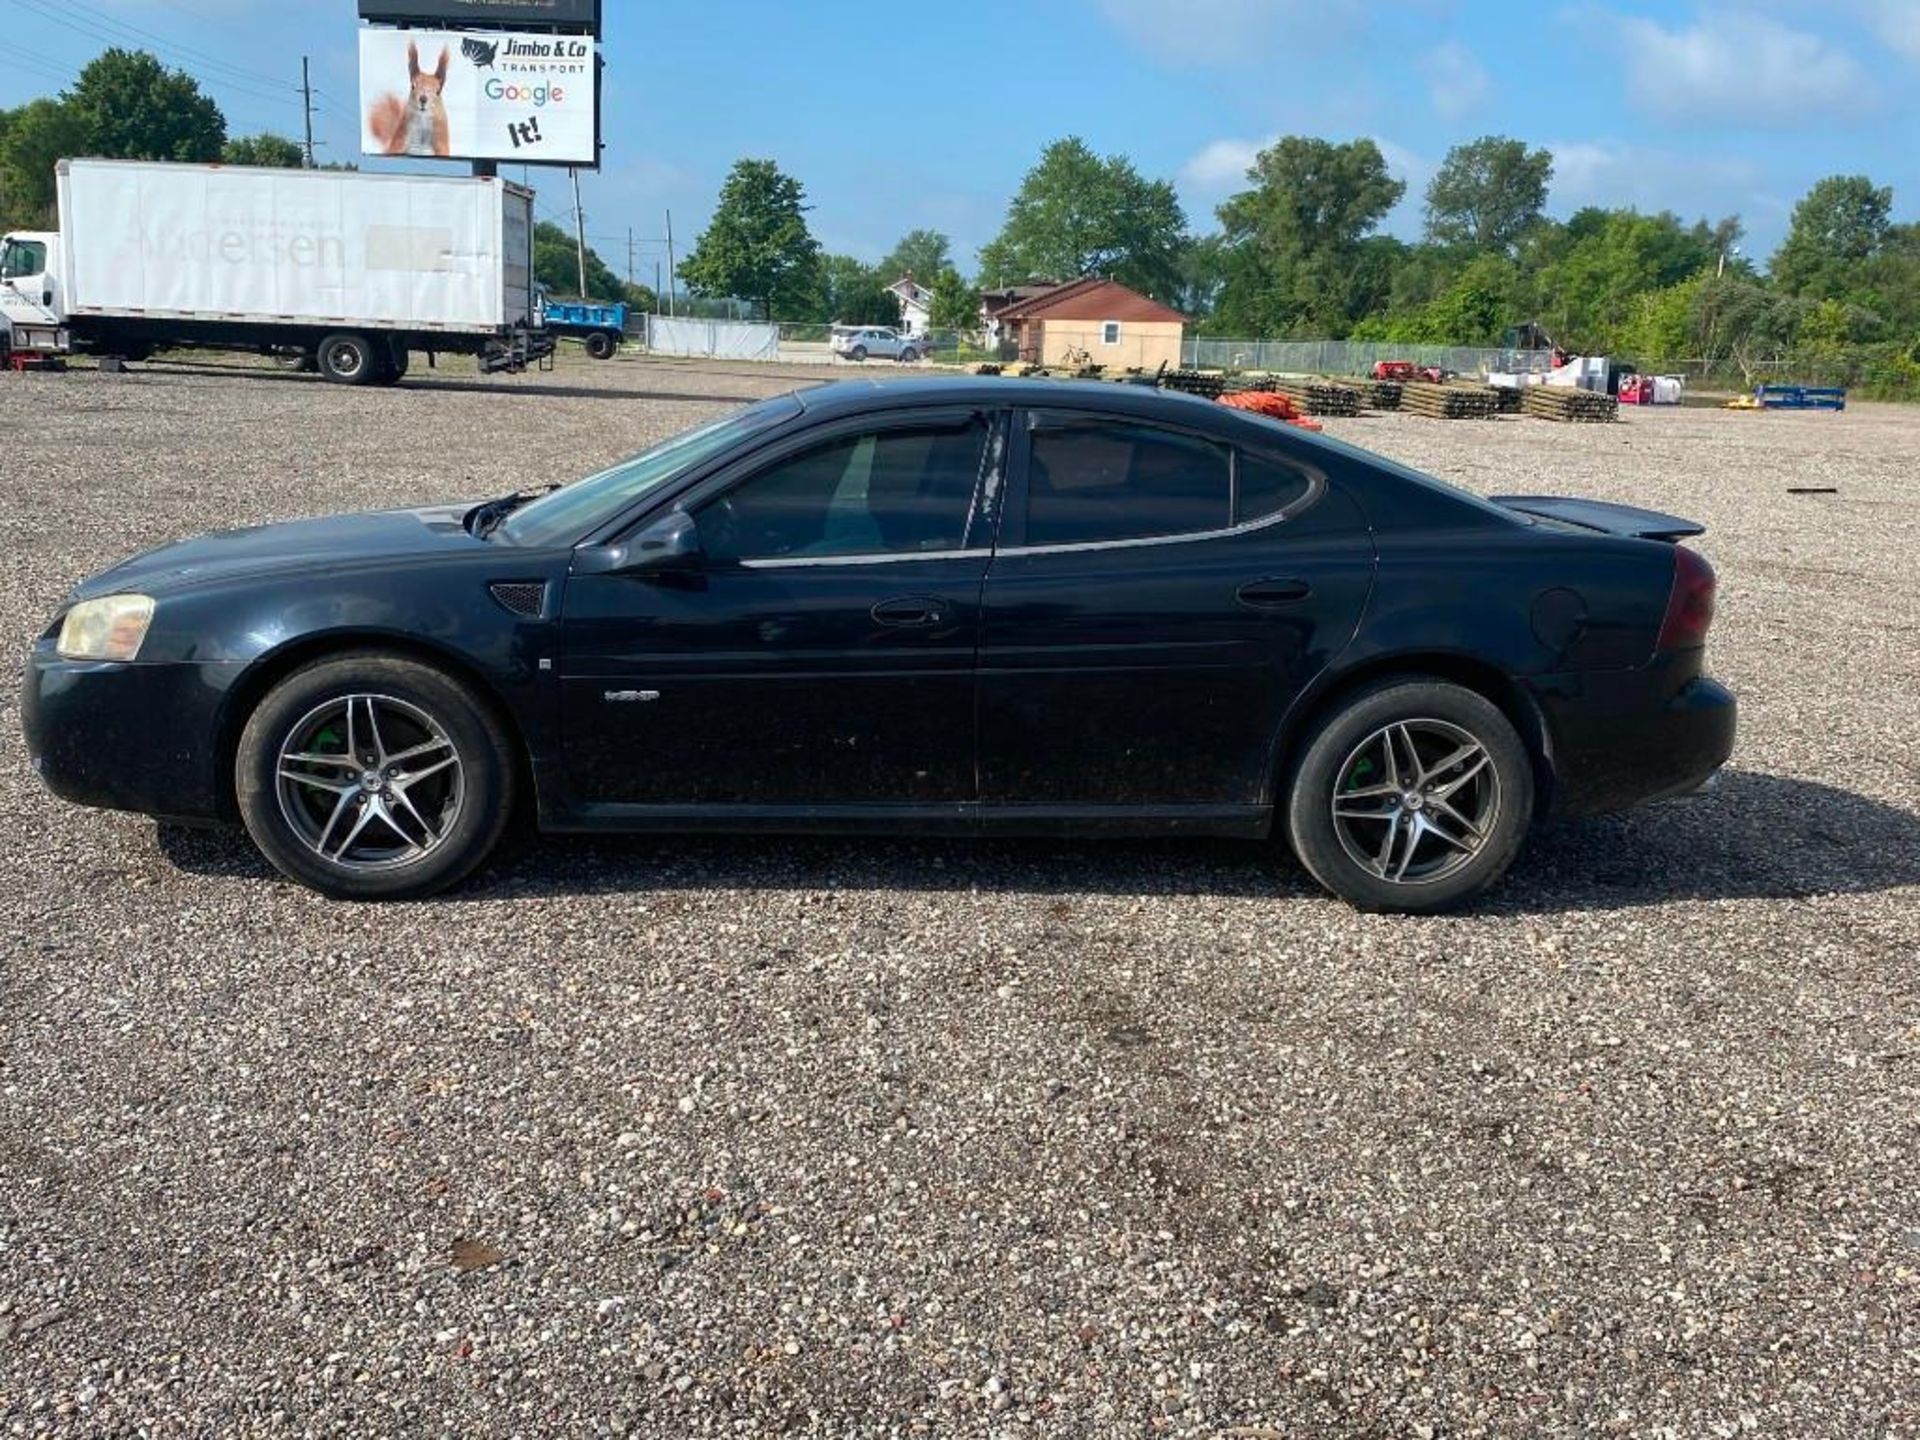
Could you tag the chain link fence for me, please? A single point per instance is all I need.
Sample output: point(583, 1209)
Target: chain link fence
point(1354, 357)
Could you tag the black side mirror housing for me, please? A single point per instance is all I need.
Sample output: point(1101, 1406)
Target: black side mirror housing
point(670, 545)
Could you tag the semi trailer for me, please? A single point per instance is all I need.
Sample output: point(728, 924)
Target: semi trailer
point(347, 273)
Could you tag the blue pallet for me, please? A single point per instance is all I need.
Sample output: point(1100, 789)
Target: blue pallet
point(1800, 397)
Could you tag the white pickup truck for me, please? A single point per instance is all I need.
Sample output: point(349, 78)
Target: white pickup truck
point(343, 272)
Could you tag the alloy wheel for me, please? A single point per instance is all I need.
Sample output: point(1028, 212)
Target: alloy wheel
point(370, 783)
point(1416, 801)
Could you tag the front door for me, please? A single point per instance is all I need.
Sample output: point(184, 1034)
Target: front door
point(1158, 601)
point(820, 654)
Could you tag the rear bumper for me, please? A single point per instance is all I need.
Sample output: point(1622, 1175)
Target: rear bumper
point(1620, 739)
point(126, 737)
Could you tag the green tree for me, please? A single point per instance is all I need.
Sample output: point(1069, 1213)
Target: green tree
point(266, 149)
point(1488, 193)
point(757, 246)
point(131, 107)
point(920, 253)
point(1586, 296)
point(1076, 214)
point(556, 266)
point(1838, 227)
point(853, 293)
point(956, 304)
point(1295, 263)
point(37, 137)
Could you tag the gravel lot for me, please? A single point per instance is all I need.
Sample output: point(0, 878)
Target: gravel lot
point(734, 1137)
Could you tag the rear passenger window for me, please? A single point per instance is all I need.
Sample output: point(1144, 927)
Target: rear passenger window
point(1266, 487)
point(1091, 480)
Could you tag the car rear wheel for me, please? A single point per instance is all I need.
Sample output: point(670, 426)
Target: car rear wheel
point(1412, 796)
point(368, 776)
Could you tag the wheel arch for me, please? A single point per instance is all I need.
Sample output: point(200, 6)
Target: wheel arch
point(1468, 671)
point(243, 697)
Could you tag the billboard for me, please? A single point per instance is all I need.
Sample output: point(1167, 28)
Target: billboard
point(580, 14)
point(480, 95)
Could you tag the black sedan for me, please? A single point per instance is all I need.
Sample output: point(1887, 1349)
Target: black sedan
point(948, 606)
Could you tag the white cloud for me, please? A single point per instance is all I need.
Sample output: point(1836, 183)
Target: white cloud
point(1739, 69)
point(1221, 166)
point(1896, 22)
point(1456, 80)
point(1227, 32)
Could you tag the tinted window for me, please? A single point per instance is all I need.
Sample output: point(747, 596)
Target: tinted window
point(891, 492)
point(1112, 480)
point(1266, 487)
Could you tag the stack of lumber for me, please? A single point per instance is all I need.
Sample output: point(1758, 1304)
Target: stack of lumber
point(1553, 402)
point(1380, 394)
point(1196, 382)
point(1250, 382)
point(1321, 397)
point(1509, 398)
point(1450, 402)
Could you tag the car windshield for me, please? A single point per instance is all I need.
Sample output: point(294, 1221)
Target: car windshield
point(576, 510)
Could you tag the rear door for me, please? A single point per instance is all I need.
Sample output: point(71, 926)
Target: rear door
point(1158, 600)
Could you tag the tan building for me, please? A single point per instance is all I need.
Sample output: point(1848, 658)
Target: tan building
point(1116, 327)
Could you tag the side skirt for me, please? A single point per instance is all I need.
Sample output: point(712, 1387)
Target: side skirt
point(1252, 822)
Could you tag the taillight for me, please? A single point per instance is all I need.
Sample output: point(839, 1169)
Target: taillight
point(1689, 603)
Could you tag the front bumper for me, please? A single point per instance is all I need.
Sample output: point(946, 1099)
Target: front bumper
point(142, 737)
point(1620, 739)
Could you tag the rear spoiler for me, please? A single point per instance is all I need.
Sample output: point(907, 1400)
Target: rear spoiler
point(1603, 515)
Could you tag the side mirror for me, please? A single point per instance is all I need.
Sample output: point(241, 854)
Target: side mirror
point(671, 545)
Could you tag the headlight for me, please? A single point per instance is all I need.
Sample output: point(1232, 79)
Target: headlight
point(109, 628)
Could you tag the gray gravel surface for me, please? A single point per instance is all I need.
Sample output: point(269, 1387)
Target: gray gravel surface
point(756, 1137)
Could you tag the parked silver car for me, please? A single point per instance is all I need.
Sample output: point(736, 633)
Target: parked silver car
point(878, 342)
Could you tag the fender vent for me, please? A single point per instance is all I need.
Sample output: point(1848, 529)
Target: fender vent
point(522, 597)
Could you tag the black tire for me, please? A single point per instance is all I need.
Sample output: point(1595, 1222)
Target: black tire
point(399, 361)
point(348, 359)
point(909, 355)
point(419, 709)
point(1487, 806)
point(601, 345)
point(859, 352)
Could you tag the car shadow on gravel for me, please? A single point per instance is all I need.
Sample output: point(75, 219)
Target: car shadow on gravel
point(426, 380)
point(1754, 836)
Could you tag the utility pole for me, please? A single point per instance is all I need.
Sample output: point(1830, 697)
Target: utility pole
point(579, 228)
point(657, 291)
point(671, 267)
point(306, 90)
point(629, 257)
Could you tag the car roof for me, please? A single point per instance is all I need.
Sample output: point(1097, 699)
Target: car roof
point(853, 397)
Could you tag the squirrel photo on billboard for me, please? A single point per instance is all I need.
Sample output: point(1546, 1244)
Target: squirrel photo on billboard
point(416, 125)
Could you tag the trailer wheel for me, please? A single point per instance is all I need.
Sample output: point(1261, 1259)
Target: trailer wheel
point(347, 360)
point(601, 345)
point(394, 361)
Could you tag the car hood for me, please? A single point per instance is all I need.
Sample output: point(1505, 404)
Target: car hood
point(380, 537)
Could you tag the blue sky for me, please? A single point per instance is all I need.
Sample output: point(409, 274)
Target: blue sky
point(896, 115)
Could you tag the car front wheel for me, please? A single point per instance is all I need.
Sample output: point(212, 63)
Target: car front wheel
point(369, 776)
point(1412, 796)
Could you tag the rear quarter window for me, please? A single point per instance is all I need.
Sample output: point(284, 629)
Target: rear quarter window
point(1266, 486)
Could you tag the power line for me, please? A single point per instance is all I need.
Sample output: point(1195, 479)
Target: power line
point(94, 32)
point(99, 19)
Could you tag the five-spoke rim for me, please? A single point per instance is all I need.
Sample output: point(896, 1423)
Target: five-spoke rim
point(1415, 801)
point(369, 782)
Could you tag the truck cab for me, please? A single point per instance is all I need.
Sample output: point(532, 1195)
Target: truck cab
point(32, 298)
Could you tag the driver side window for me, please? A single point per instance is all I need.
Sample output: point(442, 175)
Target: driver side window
point(885, 492)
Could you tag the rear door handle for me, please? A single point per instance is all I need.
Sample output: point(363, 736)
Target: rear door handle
point(1273, 592)
point(908, 610)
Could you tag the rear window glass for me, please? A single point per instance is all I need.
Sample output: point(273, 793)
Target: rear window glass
point(1092, 480)
point(1267, 487)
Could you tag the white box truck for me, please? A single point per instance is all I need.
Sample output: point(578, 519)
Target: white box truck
point(332, 269)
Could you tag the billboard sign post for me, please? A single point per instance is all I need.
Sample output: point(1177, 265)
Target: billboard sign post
point(480, 95)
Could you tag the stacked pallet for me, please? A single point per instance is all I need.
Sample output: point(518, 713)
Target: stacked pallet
point(1380, 394)
point(1553, 402)
point(1450, 402)
point(1321, 397)
point(1509, 398)
point(1211, 384)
